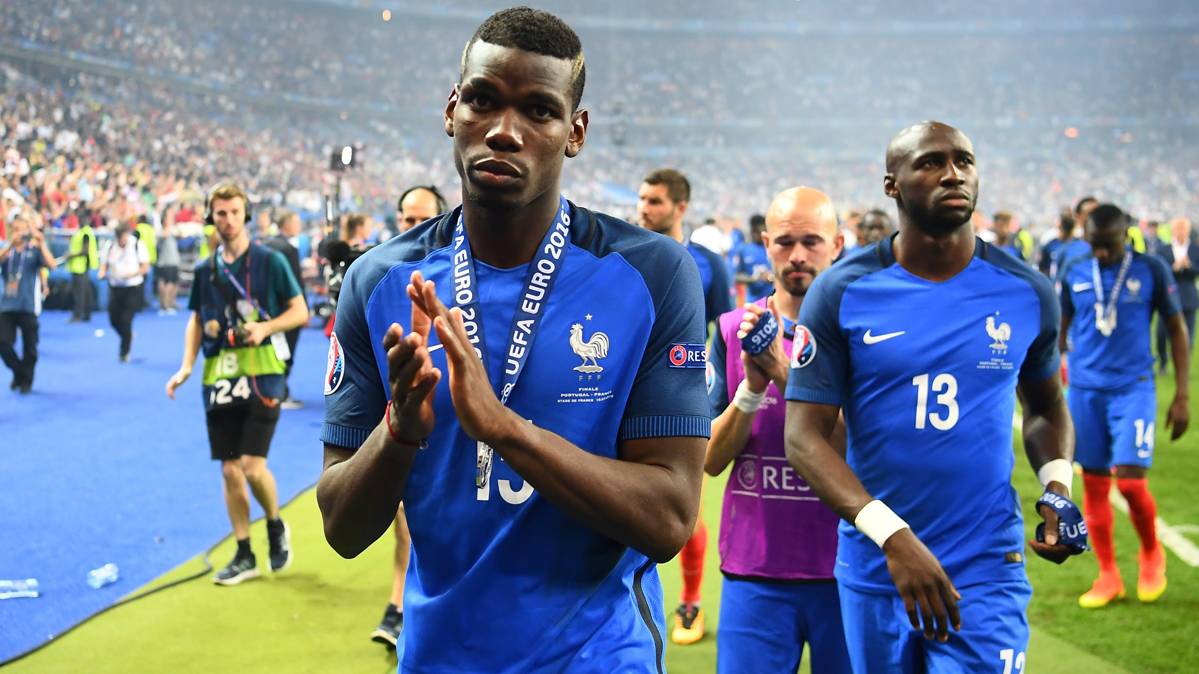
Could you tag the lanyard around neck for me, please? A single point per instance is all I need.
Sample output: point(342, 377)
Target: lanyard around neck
point(539, 281)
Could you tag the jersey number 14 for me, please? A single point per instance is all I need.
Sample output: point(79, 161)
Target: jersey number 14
point(945, 386)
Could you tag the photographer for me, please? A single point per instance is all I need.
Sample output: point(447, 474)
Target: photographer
point(125, 263)
point(243, 299)
point(21, 262)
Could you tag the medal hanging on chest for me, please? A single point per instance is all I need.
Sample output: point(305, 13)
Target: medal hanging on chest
point(1105, 313)
point(16, 269)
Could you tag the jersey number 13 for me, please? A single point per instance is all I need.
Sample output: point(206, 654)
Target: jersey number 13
point(945, 386)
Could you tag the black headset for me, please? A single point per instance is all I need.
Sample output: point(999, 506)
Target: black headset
point(441, 205)
point(208, 216)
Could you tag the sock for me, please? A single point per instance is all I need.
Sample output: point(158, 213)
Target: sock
point(392, 609)
point(1142, 510)
point(275, 524)
point(1097, 511)
point(691, 560)
point(243, 547)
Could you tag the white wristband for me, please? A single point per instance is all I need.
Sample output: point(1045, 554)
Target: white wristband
point(1057, 470)
point(746, 400)
point(878, 522)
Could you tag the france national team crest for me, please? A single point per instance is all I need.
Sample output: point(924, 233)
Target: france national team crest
point(335, 369)
point(1000, 333)
point(1133, 285)
point(588, 349)
point(803, 347)
point(690, 356)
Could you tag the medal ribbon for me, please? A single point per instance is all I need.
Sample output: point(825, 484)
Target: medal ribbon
point(1108, 311)
point(543, 271)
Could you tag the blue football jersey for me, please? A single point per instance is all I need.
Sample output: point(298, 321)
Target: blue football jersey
point(925, 375)
point(1067, 252)
point(605, 367)
point(714, 277)
point(752, 260)
point(1106, 363)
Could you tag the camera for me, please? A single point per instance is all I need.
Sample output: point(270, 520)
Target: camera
point(237, 337)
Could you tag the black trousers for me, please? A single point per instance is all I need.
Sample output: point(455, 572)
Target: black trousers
point(123, 303)
point(22, 368)
point(1163, 336)
point(81, 295)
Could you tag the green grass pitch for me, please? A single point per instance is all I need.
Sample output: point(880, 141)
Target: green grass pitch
point(316, 616)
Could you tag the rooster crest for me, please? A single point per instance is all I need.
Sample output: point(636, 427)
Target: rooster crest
point(588, 350)
point(999, 333)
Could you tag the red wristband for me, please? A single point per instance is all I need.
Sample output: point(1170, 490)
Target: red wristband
point(404, 443)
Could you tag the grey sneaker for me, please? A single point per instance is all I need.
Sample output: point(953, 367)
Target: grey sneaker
point(279, 538)
point(388, 631)
point(242, 568)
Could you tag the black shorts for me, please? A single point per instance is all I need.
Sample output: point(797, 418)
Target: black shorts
point(167, 274)
point(244, 430)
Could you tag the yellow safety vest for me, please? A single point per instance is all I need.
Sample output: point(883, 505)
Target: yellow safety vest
point(81, 264)
point(145, 233)
point(1136, 239)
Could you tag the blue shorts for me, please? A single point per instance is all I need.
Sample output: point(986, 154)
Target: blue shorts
point(1114, 428)
point(763, 627)
point(994, 634)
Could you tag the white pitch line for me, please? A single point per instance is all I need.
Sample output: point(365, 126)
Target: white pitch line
point(1171, 537)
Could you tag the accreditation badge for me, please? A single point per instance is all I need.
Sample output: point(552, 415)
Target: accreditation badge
point(212, 329)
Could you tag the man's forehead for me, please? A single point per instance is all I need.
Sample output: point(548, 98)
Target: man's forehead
point(517, 68)
point(924, 139)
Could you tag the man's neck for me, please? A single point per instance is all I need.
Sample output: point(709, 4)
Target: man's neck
point(787, 304)
point(236, 248)
point(676, 232)
point(935, 258)
point(508, 238)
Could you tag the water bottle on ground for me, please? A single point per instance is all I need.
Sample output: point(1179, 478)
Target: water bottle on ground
point(102, 576)
point(12, 589)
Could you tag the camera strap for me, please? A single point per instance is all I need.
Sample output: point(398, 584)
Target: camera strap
point(234, 288)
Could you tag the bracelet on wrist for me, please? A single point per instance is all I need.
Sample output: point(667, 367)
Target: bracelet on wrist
point(423, 444)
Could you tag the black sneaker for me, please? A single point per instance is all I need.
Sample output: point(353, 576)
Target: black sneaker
point(279, 537)
point(388, 631)
point(243, 567)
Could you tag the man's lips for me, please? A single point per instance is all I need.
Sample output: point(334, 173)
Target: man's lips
point(497, 167)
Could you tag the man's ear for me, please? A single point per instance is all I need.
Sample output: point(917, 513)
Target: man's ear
point(450, 104)
point(578, 132)
point(889, 187)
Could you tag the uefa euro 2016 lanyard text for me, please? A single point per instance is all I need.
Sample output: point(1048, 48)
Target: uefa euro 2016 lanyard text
point(543, 270)
point(1105, 315)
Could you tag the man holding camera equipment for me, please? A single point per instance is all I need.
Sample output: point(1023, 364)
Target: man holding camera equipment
point(244, 298)
point(21, 262)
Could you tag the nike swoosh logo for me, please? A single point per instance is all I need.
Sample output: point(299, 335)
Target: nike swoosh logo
point(875, 339)
point(1079, 287)
point(435, 347)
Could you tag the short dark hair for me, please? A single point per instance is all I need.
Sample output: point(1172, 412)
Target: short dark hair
point(282, 216)
point(678, 188)
point(1108, 215)
point(1002, 216)
point(1083, 202)
point(534, 31)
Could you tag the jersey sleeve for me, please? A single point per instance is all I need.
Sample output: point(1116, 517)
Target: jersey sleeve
point(1043, 358)
point(1065, 296)
point(720, 295)
point(1165, 290)
point(355, 395)
point(670, 401)
point(820, 353)
point(282, 280)
point(718, 388)
point(199, 278)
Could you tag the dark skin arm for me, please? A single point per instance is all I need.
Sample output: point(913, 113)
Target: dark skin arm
point(648, 499)
point(922, 584)
point(1179, 416)
point(1048, 434)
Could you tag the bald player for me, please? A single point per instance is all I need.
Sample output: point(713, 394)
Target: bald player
point(418, 204)
point(778, 542)
point(921, 340)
